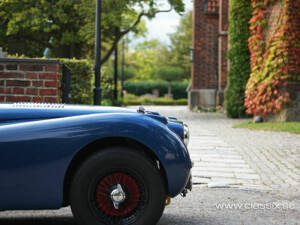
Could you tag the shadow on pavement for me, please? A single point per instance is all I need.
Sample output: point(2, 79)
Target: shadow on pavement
point(167, 219)
point(173, 219)
point(57, 220)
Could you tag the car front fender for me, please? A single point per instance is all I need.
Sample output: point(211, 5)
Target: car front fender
point(36, 155)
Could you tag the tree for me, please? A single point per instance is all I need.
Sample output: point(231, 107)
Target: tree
point(170, 73)
point(152, 59)
point(181, 42)
point(144, 59)
point(66, 27)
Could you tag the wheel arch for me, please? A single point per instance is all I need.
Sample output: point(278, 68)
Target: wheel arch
point(100, 145)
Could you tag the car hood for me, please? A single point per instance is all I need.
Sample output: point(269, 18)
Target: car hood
point(33, 111)
point(27, 112)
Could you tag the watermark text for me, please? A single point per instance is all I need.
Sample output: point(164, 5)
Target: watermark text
point(257, 206)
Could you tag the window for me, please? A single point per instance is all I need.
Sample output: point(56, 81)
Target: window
point(211, 7)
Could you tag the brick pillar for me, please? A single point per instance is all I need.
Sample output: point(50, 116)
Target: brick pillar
point(205, 56)
point(222, 51)
point(29, 80)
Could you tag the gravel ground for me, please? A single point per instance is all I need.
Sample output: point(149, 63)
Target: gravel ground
point(198, 208)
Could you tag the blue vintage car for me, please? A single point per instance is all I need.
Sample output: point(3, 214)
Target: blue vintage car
point(111, 165)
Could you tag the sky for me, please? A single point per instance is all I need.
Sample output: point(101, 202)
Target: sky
point(165, 23)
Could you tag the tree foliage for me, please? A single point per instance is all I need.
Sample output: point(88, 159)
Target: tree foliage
point(153, 59)
point(66, 27)
point(239, 56)
point(145, 59)
point(170, 73)
point(181, 42)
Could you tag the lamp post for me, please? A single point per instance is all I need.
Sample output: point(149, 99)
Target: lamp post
point(116, 74)
point(97, 89)
point(123, 67)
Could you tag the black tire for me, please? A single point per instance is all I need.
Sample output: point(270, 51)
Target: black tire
point(143, 185)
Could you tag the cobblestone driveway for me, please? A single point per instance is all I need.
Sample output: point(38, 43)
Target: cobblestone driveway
point(239, 157)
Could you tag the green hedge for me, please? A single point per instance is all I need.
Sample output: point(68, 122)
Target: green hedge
point(239, 57)
point(179, 89)
point(143, 87)
point(81, 80)
point(157, 101)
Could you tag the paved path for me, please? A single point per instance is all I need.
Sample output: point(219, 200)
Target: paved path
point(217, 163)
point(239, 157)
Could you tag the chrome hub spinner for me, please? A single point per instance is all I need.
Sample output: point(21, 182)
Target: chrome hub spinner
point(118, 196)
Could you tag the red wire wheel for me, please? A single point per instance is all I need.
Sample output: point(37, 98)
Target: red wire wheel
point(109, 183)
point(118, 186)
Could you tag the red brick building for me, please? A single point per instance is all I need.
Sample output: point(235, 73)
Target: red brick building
point(210, 44)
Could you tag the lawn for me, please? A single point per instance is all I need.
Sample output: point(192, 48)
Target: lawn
point(293, 127)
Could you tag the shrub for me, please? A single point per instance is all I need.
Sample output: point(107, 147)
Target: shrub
point(179, 89)
point(168, 101)
point(130, 99)
point(182, 101)
point(81, 80)
point(143, 87)
point(239, 56)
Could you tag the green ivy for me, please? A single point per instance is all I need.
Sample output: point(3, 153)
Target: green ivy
point(239, 57)
point(275, 63)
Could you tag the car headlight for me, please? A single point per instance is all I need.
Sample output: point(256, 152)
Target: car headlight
point(186, 134)
point(179, 128)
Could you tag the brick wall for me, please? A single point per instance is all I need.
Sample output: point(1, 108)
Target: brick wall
point(205, 42)
point(210, 44)
point(29, 80)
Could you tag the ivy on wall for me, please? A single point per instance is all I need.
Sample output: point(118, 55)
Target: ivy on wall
point(274, 62)
point(239, 57)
